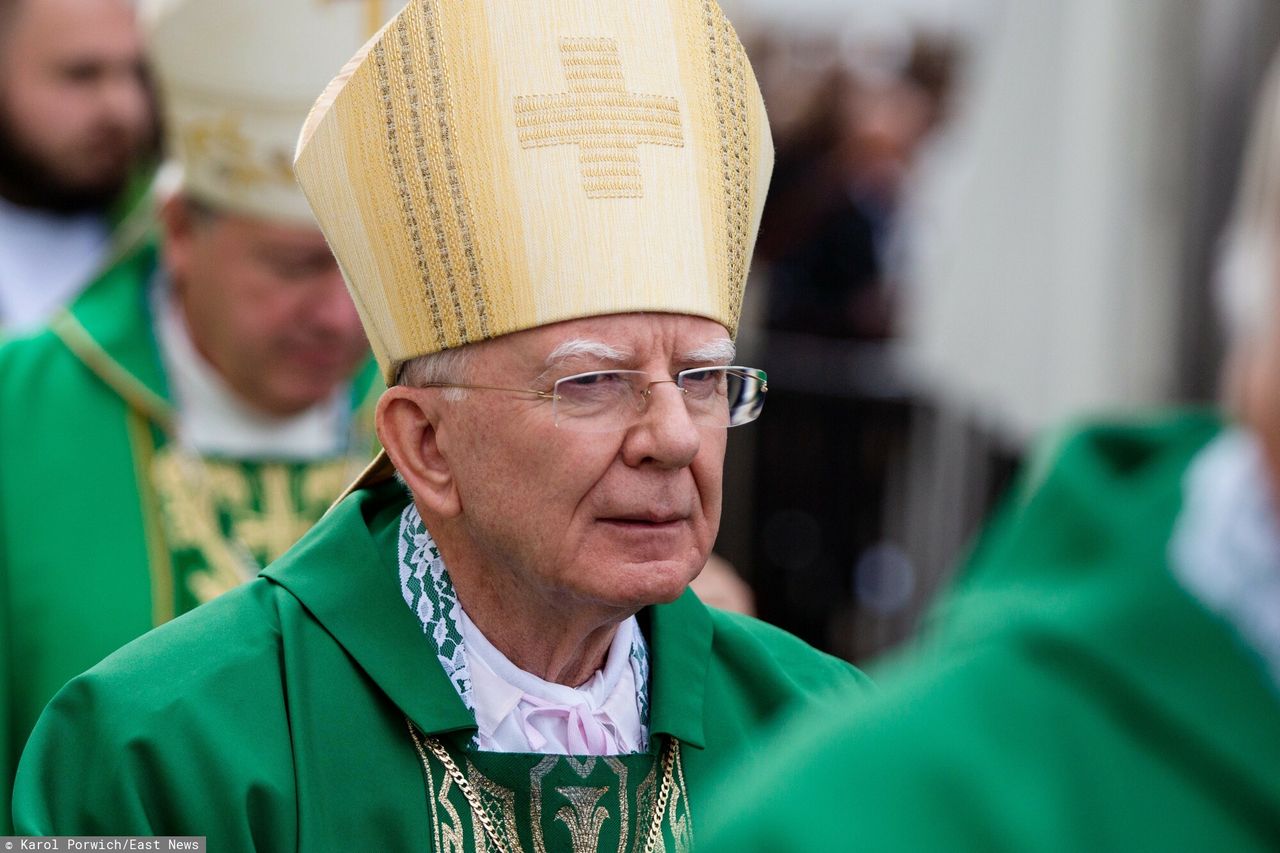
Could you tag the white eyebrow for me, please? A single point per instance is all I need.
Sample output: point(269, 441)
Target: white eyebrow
point(720, 351)
point(584, 347)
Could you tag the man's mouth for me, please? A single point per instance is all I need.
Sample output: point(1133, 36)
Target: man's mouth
point(646, 521)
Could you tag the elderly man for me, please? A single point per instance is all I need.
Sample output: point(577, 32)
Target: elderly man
point(545, 213)
point(196, 410)
point(1107, 674)
point(75, 125)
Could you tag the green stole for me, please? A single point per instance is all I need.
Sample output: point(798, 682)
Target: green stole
point(526, 801)
point(577, 804)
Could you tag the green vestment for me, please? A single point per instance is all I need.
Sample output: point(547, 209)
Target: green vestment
point(107, 527)
point(277, 718)
point(1073, 697)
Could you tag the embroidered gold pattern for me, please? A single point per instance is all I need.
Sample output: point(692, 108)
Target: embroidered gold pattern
point(583, 768)
point(409, 74)
point(425, 160)
point(620, 770)
point(143, 444)
point(232, 156)
point(453, 835)
point(599, 115)
point(678, 814)
point(536, 776)
point(279, 524)
point(236, 523)
point(445, 837)
point(583, 817)
point(443, 105)
point(496, 800)
point(729, 75)
point(193, 522)
point(407, 210)
point(494, 821)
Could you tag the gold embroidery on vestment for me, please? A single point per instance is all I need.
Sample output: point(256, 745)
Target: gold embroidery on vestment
point(583, 817)
point(579, 808)
point(143, 445)
point(493, 795)
point(213, 507)
point(681, 824)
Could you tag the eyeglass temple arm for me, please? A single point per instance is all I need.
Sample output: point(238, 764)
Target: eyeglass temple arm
point(545, 395)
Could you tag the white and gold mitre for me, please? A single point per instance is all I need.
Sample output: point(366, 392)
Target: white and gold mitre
point(489, 166)
point(237, 79)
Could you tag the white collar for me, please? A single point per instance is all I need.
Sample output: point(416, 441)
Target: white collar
point(45, 260)
point(498, 685)
point(1225, 549)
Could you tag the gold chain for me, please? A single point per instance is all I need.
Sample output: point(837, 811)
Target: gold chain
point(477, 808)
point(423, 743)
point(664, 793)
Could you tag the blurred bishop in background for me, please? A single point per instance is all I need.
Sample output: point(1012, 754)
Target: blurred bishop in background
point(200, 406)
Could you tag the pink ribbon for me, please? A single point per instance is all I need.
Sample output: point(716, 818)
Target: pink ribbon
point(587, 732)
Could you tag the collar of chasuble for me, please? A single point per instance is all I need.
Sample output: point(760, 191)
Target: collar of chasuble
point(343, 572)
point(429, 593)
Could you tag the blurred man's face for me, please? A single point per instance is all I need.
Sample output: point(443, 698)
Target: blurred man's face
point(75, 113)
point(265, 304)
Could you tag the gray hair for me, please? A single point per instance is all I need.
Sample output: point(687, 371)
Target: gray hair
point(451, 366)
point(1248, 266)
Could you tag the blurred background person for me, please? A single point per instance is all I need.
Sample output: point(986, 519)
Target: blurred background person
point(988, 218)
point(77, 139)
point(831, 259)
point(1106, 674)
point(203, 402)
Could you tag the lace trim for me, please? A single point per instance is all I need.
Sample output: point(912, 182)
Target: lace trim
point(429, 593)
point(427, 589)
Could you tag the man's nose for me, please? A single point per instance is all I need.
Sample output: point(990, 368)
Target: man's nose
point(125, 98)
point(664, 435)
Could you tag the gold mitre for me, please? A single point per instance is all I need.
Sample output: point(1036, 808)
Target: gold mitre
point(495, 165)
point(237, 79)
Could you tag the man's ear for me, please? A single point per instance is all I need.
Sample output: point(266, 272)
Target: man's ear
point(179, 223)
point(407, 424)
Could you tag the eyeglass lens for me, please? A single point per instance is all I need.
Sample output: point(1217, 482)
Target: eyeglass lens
point(610, 400)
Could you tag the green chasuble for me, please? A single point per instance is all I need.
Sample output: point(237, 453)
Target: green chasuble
point(107, 526)
point(1076, 695)
point(299, 712)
